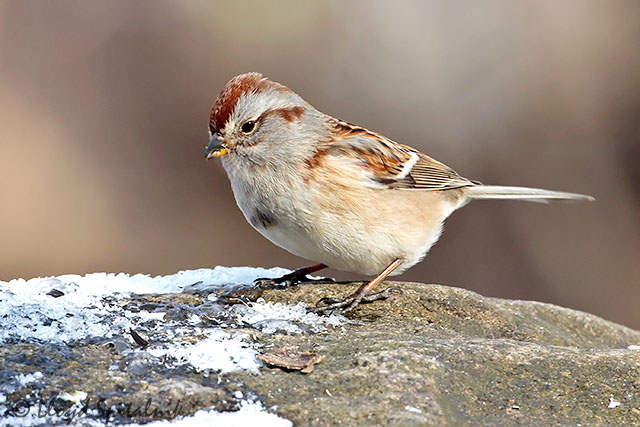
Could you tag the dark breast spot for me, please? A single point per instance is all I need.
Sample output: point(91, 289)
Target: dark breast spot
point(262, 220)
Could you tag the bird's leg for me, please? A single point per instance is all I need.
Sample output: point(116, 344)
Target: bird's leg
point(361, 295)
point(293, 278)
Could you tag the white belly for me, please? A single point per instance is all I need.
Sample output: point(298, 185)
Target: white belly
point(363, 237)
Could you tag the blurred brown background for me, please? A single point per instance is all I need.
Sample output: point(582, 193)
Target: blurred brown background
point(104, 109)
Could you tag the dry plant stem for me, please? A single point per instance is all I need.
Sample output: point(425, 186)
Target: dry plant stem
point(293, 278)
point(349, 303)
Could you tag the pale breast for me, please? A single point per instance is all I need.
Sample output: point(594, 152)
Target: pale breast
point(329, 219)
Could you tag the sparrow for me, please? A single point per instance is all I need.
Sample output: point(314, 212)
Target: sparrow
point(333, 192)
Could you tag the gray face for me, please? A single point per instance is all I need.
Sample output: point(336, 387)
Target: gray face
point(273, 127)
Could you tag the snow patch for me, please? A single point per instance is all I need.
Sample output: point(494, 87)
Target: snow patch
point(276, 317)
point(24, 379)
point(219, 351)
point(30, 312)
point(613, 403)
point(65, 309)
point(249, 415)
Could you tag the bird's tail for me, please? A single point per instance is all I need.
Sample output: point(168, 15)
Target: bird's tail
point(521, 193)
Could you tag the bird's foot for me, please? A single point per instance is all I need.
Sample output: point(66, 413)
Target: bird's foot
point(291, 279)
point(345, 305)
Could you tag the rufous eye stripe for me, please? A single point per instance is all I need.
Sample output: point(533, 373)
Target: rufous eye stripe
point(288, 114)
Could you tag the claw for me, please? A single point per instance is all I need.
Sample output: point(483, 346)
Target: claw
point(349, 303)
point(382, 295)
point(362, 294)
point(328, 301)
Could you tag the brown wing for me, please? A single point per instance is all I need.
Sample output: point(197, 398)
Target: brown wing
point(392, 165)
point(430, 174)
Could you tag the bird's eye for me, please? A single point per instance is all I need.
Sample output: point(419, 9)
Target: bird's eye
point(248, 126)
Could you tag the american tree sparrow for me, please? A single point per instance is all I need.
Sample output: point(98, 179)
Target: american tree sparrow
point(334, 192)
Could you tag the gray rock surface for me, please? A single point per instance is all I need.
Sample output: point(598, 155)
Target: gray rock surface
point(429, 355)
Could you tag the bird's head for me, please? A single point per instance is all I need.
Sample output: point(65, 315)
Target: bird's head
point(255, 120)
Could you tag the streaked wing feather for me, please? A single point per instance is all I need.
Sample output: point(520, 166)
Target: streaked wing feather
point(429, 174)
point(392, 165)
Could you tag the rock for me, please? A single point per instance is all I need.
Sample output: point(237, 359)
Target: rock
point(430, 355)
point(437, 355)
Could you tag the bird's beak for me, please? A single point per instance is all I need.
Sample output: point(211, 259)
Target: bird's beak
point(215, 148)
